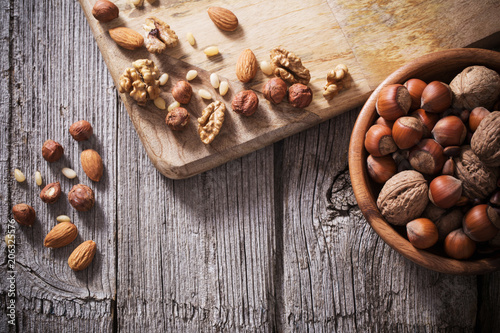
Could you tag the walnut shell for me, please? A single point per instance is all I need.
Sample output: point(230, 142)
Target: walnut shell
point(478, 180)
point(403, 197)
point(485, 142)
point(475, 86)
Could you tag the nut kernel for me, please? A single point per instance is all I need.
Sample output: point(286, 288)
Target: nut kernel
point(160, 103)
point(211, 51)
point(191, 75)
point(38, 178)
point(63, 218)
point(19, 176)
point(214, 80)
point(266, 68)
point(190, 39)
point(223, 88)
point(68, 173)
point(174, 105)
point(205, 94)
point(163, 79)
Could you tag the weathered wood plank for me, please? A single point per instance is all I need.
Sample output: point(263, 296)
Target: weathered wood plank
point(196, 254)
point(338, 274)
point(58, 77)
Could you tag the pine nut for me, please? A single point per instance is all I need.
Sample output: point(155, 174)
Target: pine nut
point(163, 79)
point(223, 88)
point(137, 3)
point(205, 94)
point(160, 103)
point(38, 178)
point(266, 68)
point(173, 106)
point(190, 39)
point(191, 75)
point(63, 218)
point(19, 175)
point(211, 51)
point(214, 80)
point(69, 173)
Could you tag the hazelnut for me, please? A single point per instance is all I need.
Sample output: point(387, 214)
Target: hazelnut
point(379, 141)
point(475, 117)
point(245, 103)
point(51, 193)
point(393, 101)
point(177, 119)
point(458, 245)
point(446, 220)
point(52, 151)
point(299, 95)
point(428, 119)
point(182, 92)
point(407, 132)
point(436, 97)
point(448, 167)
point(381, 169)
point(477, 224)
point(384, 122)
point(275, 90)
point(427, 157)
point(81, 130)
point(422, 233)
point(24, 214)
point(105, 11)
point(445, 191)
point(415, 88)
point(449, 131)
point(452, 151)
point(81, 197)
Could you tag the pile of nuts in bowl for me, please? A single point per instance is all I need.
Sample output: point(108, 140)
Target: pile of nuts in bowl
point(435, 150)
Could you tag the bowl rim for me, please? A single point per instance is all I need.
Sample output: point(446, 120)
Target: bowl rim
point(359, 176)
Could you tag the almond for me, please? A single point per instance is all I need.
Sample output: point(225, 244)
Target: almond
point(82, 256)
point(223, 18)
point(61, 235)
point(92, 164)
point(246, 67)
point(127, 38)
point(105, 11)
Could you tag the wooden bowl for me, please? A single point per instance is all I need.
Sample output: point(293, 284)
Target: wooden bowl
point(442, 66)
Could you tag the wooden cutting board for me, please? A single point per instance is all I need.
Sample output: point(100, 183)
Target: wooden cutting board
point(372, 38)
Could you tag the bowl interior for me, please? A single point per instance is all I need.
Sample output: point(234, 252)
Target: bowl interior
point(442, 66)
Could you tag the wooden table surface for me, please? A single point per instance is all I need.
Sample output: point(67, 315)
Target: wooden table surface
point(273, 241)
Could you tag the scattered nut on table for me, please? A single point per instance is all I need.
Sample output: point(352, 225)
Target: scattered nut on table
point(81, 130)
point(299, 95)
point(159, 36)
point(177, 119)
point(182, 92)
point(210, 123)
point(223, 18)
point(105, 11)
point(246, 66)
point(24, 214)
point(82, 256)
point(336, 80)
point(81, 197)
point(127, 38)
point(51, 193)
point(245, 103)
point(275, 90)
point(288, 66)
point(141, 81)
point(52, 151)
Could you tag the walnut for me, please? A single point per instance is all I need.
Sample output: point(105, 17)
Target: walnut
point(141, 81)
point(159, 36)
point(485, 142)
point(177, 119)
point(211, 121)
point(445, 220)
point(336, 80)
point(288, 66)
point(403, 197)
point(299, 95)
point(475, 86)
point(245, 103)
point(478, 180)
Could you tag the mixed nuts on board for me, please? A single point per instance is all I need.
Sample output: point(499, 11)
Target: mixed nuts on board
point(435, 149)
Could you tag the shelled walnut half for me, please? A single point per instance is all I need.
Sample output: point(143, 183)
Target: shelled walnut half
point(141, 81)
point(336, 80)
point(211, 121)
point(288, 66)
point(159, 36)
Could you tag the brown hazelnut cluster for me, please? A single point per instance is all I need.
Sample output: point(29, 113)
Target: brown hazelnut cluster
point(299, 95)
point(435, 150)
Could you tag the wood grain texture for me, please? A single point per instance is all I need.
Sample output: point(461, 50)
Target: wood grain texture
point(270, 242)
point(323, 33)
